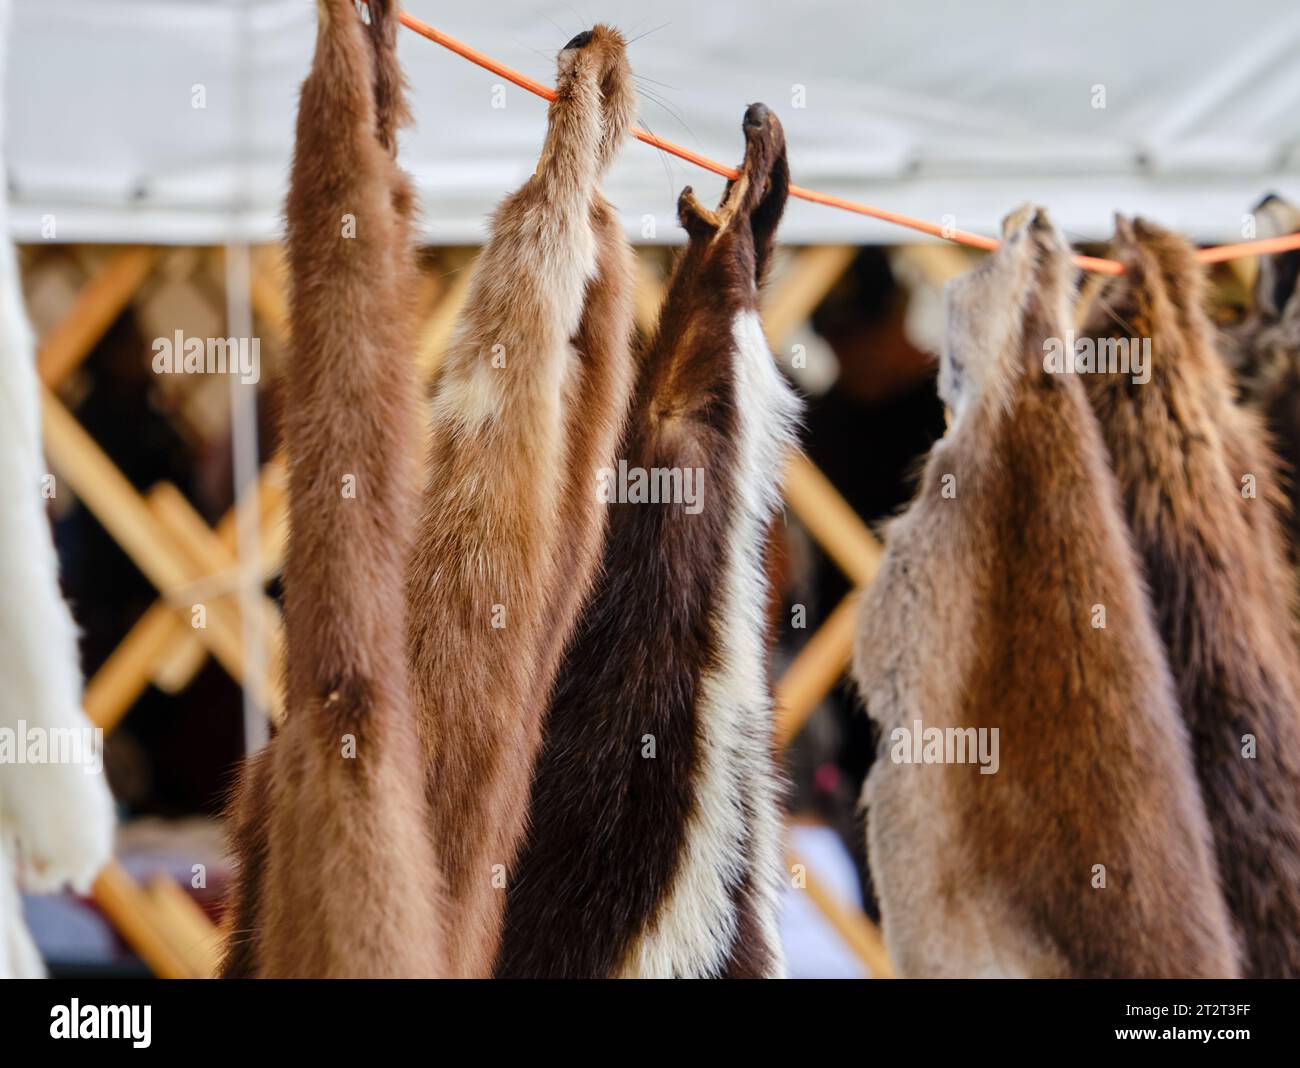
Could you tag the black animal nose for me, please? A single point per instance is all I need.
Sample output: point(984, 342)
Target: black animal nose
point(755, 116)
point(581, 41)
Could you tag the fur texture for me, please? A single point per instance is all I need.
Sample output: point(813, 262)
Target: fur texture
point(982, 616)
point(528, 405)
point(669, 865)
point(1186, 457)
point(339, 876)
point(56, 820)
point(19, 957)
point(1264, 353)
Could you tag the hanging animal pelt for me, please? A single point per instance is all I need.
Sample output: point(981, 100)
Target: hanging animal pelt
point(1033, 810)
point(333, 831)
point(654, 843)
point(56, 816)
point(1264, 354)
point(528, 407)
point(1202, 494)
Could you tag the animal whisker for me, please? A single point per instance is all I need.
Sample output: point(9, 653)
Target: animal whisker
point(647, 33)
point(670, 110)
point(665, 158)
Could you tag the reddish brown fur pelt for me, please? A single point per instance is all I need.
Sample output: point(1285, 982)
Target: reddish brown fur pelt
point(668, 863)
point(529, 404)
point(983, 616)
point(1203, 495)
point(338, 873)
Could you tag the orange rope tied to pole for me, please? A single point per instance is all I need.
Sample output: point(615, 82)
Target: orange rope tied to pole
point(964, 237)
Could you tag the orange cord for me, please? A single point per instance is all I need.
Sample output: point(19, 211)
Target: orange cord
point(964, 237)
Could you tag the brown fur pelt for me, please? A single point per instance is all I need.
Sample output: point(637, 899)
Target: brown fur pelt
point(1086, 853)
point(1263, 352)
point(654, 846)
point(1202, 495)
point(528, 407)
point(338, 875)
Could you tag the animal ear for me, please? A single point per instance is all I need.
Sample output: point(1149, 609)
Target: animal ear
point(1128, 249)
point(1279, 273)
point(696, 219)
point(1124, 234)
point(1017, 221)
point(1275, 288)
point(1049, 309)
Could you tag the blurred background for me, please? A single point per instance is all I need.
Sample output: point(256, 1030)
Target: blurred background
point(146, 152)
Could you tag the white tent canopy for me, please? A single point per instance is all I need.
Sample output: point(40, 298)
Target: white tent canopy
point(936, 109)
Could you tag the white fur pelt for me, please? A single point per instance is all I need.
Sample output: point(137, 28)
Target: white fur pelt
point(19, 957)
point(56, 820)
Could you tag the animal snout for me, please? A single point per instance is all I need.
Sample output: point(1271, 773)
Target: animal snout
point(580, 41)
point(755, 116)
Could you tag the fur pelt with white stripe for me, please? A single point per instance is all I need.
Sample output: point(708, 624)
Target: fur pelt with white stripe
point(654, 847)
point(56, 820)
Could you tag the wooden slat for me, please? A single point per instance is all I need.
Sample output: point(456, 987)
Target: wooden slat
point(97, 306)
point(847, 540)
point(123, 677)
point(183, 654)
point(206, 554)
point(267, 289)
point(831, 521)
point(163, 634)
point(804, 285)
point(124, 514)
point(195, 937)
point(137, 919)
point(441, 323)
point(859, 933)
point(818, 666)
point(649, 295)
point(938, 263)
point(178, 660)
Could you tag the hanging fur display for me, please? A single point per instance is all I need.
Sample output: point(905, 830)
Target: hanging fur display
point(528, 407)
point(56, 815)
point(1264, 354)
point(1033, 810)
point(654, 845)
point(1203, 497)
point(338, 874)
